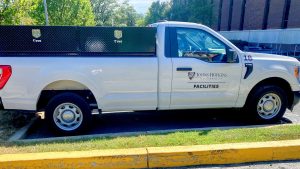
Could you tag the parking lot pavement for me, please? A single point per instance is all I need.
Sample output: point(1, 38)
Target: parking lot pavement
point(263, 165)
point(166, 120)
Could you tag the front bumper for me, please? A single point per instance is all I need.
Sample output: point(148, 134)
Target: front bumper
point(1, 104)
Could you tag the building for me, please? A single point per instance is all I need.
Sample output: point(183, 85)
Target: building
point(266, 26)
point(256, 14)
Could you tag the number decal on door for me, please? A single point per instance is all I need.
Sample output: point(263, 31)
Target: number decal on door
point(248, 58)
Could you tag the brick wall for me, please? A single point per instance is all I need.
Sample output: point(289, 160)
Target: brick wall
point(236, 14)
point(294, 16)
point(225, 15)
point(254, 14)
point(276, 14)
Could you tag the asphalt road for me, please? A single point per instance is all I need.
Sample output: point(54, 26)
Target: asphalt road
point(263, 165)
point(169, 120)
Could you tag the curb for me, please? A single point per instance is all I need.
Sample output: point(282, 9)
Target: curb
point(110, 159)
point(22, 133)
point(155, 157)
point(224, 154)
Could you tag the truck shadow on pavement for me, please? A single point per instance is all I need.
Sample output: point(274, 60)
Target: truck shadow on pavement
point(149, 121)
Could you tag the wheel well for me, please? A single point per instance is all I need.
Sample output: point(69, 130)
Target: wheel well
point(277, 82)
point(63, 86)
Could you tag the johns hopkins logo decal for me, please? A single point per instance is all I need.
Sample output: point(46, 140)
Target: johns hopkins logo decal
point(191, 75)
point(118, 34)
point(36, 33)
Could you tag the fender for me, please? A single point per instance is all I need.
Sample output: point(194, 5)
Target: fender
point(248, 84)
point(54, 77)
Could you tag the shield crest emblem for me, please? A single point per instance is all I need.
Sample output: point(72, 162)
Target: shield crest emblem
point(191, 75)
point(36, 33)
point(118, 34)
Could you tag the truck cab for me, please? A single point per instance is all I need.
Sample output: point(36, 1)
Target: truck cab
point(191, 67)
point(208, 71)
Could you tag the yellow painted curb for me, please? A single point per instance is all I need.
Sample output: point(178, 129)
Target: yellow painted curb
point(223, 153)
point(156, 156)
point(110, 159)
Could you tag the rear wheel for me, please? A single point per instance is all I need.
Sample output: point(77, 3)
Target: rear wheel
point(267, 104)
point(68, 113)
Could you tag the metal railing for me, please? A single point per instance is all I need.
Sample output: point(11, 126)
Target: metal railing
point(275, 41)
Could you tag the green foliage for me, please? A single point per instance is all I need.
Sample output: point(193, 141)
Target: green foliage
point(17, 12)
point(157, 11)
point(110, 13)
point(140, 20)
point(125, 15)
point(61, 12)
point(104, 11)
point(199, 11)
point(6, 11)
point(70, 12)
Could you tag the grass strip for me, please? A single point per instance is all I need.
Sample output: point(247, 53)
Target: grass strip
point(275, 133)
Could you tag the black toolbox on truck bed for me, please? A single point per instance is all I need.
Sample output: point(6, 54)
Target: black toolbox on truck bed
point(76, 40)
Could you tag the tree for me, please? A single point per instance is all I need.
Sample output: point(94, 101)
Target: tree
point(104, 11)
point(125, 15)
point(140, 20)
point(6, 12)
point(17, 12)
point(61, 12)
point(200, 11)
point(111, 13)
point(70, 12)
point(157, 11)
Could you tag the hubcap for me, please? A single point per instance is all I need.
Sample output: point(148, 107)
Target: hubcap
point(67, 116)
point(269, 106)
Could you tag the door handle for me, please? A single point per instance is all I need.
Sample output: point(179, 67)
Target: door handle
point(184, 69)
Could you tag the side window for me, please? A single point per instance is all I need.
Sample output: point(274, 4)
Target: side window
point(200, 44)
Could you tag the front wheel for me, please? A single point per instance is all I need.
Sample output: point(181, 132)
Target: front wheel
point(68, 113)
point(267, 104)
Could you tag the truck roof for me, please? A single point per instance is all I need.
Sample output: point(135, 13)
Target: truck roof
point(177, 23)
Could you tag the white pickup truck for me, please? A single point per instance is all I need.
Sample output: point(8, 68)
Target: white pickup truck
point(189, 66)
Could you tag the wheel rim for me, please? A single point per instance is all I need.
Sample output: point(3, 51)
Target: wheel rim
point(67, 116)
point(269, 106)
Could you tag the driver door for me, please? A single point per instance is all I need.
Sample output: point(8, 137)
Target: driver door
point(202, 78)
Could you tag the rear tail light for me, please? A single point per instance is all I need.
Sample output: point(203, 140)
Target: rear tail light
point(5, 73)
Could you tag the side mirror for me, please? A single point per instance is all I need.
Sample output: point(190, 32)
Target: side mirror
point(231, 56)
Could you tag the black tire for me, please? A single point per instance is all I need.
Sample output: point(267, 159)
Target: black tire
point(70, 101)
point(253, 108)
